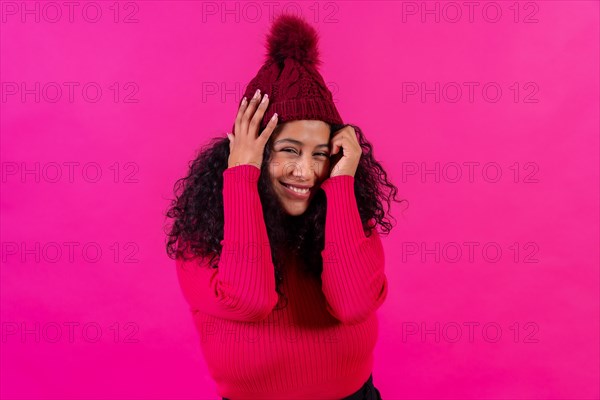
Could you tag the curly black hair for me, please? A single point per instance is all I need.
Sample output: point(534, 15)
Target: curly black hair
point(197, 209)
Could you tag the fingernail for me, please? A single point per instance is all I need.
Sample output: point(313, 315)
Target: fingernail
point(265, 98)
point(256, 94)
point(244, 100)
point(274, 116)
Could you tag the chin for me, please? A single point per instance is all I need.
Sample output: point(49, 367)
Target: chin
point(293, 208)
point(295, 212)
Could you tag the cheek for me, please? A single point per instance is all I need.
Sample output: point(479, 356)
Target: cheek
point(323, 169)
point(280, 165)
point(276, 171)
point(275, 164)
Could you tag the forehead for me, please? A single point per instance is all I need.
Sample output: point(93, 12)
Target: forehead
point(309, 132)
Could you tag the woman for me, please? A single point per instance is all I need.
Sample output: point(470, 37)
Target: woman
point(275, 242)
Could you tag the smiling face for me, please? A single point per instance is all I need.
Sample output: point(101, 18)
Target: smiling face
point(299, 160)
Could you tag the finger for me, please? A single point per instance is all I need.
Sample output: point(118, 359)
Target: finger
point(240, 114)
point(250, 112)
point(258, 115)
point(339, 132)
point(336, 144)
point(333, 149)
point(268, 131)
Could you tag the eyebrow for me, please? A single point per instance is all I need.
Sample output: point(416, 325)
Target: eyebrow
point(299, 143)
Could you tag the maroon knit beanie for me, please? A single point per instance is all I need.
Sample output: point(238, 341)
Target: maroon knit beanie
point(290, 77)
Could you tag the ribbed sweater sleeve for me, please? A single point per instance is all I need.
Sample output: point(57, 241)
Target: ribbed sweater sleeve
point(353, 279)
point(242, 288)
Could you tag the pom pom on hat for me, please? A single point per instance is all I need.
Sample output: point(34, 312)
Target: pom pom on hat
point(293, 37)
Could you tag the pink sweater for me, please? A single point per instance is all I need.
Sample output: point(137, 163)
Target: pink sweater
point(321, 345)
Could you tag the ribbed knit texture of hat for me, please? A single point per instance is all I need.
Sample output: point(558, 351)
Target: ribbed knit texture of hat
point(290, 75)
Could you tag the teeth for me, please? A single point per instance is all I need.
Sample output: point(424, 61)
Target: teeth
point(297, 190)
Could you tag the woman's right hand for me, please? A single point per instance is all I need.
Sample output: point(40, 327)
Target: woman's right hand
point(245, 146)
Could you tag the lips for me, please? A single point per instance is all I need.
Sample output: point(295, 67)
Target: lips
point(296, 186)
point(296, 194)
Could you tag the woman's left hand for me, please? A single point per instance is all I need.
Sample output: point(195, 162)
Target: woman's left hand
point(344, 140)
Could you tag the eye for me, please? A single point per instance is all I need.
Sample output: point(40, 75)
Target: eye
point(291, 150)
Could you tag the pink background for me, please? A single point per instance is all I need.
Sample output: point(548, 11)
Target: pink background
point(181, 70)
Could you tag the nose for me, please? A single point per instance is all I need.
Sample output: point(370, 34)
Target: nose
point(304, 169)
